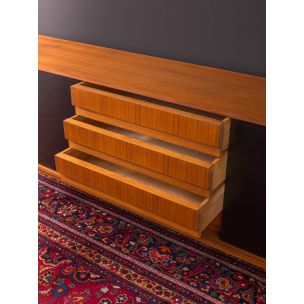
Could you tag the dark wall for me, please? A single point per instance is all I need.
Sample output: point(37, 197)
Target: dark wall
point(225, 34)
point(244, 215)
point(54, 105)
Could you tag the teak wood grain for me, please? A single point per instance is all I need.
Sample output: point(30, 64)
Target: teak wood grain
point(150, 195)
point(150, 132)
point(122, 204)
point(148, 113)
point(192, 212)
point(227, 93)
point(214, 226)
point(182, 164)
point(166, 179)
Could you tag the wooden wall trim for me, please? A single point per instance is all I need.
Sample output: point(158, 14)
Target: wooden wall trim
point(48, 171)
point(222, 92)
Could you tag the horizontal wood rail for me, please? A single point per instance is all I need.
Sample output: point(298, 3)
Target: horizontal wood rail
point(222, 92)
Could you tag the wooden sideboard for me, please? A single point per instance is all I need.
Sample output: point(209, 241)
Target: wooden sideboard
point(152, 135)
point(147, 156)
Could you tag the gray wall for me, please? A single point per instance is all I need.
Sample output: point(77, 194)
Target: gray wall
point(219, 33)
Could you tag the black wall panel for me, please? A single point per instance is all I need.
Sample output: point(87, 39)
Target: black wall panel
point(244, 216)
point(54, 105)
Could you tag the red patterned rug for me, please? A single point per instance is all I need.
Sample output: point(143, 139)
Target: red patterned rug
point(93, 252)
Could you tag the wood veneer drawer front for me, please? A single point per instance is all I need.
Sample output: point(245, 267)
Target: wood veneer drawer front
point(173, 161)
point(206, 129)
point(178, 206)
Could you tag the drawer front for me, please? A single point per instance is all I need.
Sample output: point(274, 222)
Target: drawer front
point(122, 187)
point(212, 132)
point(205, 172)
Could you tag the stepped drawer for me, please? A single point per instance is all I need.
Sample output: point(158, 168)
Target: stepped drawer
point(147, 155)
point(128, 188)
point(183, 126)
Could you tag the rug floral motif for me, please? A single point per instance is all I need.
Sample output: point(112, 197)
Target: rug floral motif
point(93, 252)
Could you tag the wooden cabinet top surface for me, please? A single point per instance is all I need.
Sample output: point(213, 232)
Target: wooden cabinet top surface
point(222, 92)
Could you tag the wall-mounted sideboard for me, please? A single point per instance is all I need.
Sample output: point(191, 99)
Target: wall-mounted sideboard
point(161, 162)
point(156, 136)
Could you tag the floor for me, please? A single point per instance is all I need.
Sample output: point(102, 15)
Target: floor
point(209, 237)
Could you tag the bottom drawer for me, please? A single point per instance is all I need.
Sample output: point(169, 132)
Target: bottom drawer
point(161, 202)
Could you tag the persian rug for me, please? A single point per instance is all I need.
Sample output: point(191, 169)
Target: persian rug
point(93, 252)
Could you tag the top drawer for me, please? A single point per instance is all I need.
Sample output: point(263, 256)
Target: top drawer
point(195, 129)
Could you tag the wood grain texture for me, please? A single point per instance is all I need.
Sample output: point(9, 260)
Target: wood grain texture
point(142, 212)
point(215, 225)
point(227, 93)
point(211, 208)
point(48, 171)
point(148, 194)
point(151, 133)
point(182, 164)
point(166, 179)
point(150, 114)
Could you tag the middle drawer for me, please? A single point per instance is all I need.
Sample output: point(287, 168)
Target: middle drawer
point(196, 172)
